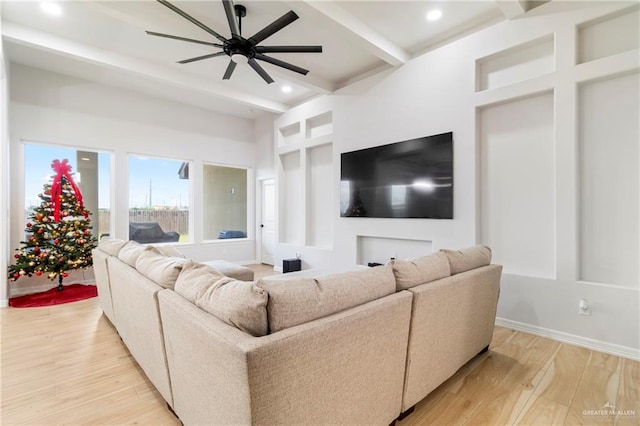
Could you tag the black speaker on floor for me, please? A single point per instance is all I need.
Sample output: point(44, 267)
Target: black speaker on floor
point(291, 265)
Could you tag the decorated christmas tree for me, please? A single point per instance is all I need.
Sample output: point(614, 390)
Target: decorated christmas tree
point(58, 232)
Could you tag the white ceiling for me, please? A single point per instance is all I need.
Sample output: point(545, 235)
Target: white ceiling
point(105, 41)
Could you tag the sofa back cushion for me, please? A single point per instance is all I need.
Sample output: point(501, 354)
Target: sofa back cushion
point(412, 272)
point(161, 269)
point(294, 301)
point(468, 258)
point(169, 250)
point(111, 246)
point(129, 253)
point(238, 303)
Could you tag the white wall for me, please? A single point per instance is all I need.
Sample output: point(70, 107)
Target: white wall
point(4, 171)
point(52, 108)
point(516, 172)
point(264, 145)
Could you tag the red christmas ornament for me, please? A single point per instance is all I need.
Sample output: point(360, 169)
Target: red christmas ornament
point(36, 250)
point(17, 256)
point(56, 242)
point(40, 231)
point(29, 224)
point(16, 276)
point(38, 273)
point(65, 275)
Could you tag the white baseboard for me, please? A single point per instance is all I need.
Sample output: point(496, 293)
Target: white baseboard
point(585, 342)
point(4, 303)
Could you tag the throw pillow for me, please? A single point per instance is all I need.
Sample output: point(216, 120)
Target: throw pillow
point(169, 250)
point(159, 268)
point(468, 258)
point(412, 272)
point(110, 246)
point(194, 279)
point(129, 253)
point(294, 301)
point(238, 303)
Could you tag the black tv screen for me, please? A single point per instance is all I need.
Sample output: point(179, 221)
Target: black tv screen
point(410, 179)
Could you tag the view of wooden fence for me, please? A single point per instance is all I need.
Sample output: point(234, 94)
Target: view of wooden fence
point(169, 220)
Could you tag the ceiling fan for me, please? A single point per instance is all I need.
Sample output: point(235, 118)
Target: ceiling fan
point(240, 49)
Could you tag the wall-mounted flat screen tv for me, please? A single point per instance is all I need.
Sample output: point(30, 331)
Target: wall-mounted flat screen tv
point(409, 179)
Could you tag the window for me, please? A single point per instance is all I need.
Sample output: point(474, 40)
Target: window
point(224, 202)
point(158, 200)
point(91, 172)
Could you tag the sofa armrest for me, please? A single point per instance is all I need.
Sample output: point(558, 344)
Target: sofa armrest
point(102, 282)
point(342, 369)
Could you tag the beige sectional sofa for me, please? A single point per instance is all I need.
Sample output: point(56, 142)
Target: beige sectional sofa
point(358, 347)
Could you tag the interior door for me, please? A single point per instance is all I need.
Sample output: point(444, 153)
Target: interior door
point(268, 221)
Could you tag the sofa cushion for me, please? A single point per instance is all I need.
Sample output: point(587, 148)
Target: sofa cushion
point(232, 270)
point(169, 250)
point(294, 301)
point(238, 303)
point(161, 269)
point(129, 253)
point(110, 246)
point(468, 258)
point(412, 272)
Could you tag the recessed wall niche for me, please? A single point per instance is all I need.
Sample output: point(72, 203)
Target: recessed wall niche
point(517, 185)
point(382, 249)
point(289, 134)
point(320, 125)
point(291, 199)
point(306, 176)
point(609, 35)
point(319, 192)
point(518, 63)
point(609, 181)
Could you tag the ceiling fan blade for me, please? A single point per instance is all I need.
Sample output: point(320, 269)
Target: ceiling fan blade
point(256, 66)
point(229, 71)
point(190, 40)
point(289, 49)
point(192, 20)
point(273, 27)
point(282, 64)
point(231, 17)
point(199, 58)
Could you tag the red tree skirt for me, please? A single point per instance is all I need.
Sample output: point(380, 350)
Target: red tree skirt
point(71, 293)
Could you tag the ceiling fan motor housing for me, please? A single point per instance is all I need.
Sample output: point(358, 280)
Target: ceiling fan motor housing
point(239, 46)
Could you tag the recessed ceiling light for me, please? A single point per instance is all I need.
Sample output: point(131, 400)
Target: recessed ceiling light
point(434, 15)
point(286, 89)
point(51, 8)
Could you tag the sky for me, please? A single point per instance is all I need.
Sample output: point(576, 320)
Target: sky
point(166, 188)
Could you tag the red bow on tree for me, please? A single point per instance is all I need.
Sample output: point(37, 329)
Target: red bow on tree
point(62, 168)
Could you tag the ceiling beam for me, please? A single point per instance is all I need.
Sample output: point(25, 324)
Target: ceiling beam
point(356, 30)
point(29, 37)
point(512, 8)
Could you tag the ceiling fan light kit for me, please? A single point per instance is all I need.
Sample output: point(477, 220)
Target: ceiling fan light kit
point(239, 49)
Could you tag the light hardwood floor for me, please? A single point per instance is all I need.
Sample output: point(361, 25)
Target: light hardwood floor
point(66, 365)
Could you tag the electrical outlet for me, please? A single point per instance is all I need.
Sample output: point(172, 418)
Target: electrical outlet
point(584, 307)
